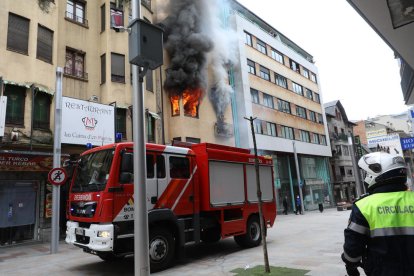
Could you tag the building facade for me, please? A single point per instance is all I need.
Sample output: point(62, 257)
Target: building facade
point(341, 163)
point(277, 82)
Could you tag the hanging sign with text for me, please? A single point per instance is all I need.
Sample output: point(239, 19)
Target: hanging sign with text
point(86, 122)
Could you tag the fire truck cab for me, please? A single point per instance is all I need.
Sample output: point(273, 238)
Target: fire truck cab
point(195, 193)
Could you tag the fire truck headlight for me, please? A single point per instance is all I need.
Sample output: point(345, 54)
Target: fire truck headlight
point(104, 234)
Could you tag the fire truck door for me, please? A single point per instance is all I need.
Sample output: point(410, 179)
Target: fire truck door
point(151, 181)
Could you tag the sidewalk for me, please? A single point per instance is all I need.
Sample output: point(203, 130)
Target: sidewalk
point(312, 241)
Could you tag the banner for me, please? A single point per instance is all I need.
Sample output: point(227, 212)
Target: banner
point(407, 143)
point(86, 122)
point(25, 162)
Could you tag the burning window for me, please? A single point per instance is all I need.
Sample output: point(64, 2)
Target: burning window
point(175, 105)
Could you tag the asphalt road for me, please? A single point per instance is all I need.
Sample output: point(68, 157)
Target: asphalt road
point(312, 241)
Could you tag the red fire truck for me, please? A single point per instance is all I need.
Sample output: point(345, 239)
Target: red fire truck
point(199, 192)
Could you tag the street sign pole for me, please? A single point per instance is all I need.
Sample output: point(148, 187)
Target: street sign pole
point(359, 187)
point(56, 161)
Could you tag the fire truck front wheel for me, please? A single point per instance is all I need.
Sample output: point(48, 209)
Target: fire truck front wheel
point(161, 248)
point(253, 236)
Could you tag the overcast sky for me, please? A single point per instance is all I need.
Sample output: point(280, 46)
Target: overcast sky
point(355, 65)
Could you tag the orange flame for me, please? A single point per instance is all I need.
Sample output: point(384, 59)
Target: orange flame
point(175, 105)
point(191, 101)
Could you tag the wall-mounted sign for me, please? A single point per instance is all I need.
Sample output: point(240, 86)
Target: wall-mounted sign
point(389, 143)
point(407, 143)
point(25, 162)
point(87, 122)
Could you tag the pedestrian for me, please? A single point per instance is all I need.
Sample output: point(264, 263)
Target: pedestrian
point(298, 205)
point(285, 205)
point(380, 232)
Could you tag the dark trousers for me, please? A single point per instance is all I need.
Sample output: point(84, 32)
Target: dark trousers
point(298, 209)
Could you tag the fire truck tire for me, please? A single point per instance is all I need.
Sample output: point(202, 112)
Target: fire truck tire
point(253, 236)
point(109, 256)
point(161, 248)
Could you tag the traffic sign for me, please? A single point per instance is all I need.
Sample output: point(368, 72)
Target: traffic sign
point(57, 176)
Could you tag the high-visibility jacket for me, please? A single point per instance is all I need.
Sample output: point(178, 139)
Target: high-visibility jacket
point(380, 233)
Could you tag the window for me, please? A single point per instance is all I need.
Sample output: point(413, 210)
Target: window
point(179, 167)
point(15, 104)
point(264, 73)
point(248, 39)
point(175, 105)
point(150, 129)
point(41, 114)
point(312, 116)
point(336, 129)
point(338, 150)
point(149, 83)
point(255, 95)
point(346, 150)
point(258, 128)
point(287, 132)
point(320, 118)
point(121, 122)
point(349, 172)
point(305, 72)
point(193, 140)
point(103, 18)
point(268, 100)
point(323, 140)
point(317, 99)
point(315, 138)
point(342, 170)
point(75, 10)
point(280, 80)
point(75, 61)
point(18, 34)
point(271, 129)
point(117, 15)
point(283, 106)
point(261, 46)
point(44, 44)
point(313, 77)
point(103, 68)
point(301, 112)
point(294, 66)
point(297, 88)
point(117, 68)
point(160, 166)
point(277, 56)
point(308, 93)
point(150, 166)
point(251, 67)
point(304, 136)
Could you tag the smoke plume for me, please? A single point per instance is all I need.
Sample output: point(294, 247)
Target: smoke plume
point(195, 37)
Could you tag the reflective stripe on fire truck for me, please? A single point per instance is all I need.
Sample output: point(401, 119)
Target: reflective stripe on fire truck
point(127, 212)
point(185, 188)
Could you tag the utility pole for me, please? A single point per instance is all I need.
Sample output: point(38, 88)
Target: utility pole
point(299, 180)
point(56, 161)
point(259, 197)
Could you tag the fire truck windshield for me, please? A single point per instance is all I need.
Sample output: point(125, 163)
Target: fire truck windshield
point(92, 171)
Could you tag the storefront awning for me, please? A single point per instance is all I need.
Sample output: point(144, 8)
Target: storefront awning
point(38, 87)
point(23, 84)
point(154, 115)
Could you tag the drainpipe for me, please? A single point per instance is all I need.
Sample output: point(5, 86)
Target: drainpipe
point(32, 90)
point(162, 110)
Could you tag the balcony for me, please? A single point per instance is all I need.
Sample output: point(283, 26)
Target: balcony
point(76, 19)
point(338, 136)
point(77, 74)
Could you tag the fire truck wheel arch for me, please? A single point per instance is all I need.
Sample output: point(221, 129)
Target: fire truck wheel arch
point(161, 248)
point(253, 236)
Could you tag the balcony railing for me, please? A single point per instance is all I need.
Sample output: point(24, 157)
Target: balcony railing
point(76, 73)
point(78, 19)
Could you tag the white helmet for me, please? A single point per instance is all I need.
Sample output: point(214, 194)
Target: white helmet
point(382, 166)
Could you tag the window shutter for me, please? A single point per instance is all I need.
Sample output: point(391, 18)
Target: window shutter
point(118, 66)
point(18, 33)
point(44, 44)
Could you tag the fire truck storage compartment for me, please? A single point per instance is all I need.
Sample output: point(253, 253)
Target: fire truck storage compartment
point(266, 182)
point(226, 183)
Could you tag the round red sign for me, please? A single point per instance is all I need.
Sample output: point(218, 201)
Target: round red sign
point(57, 176)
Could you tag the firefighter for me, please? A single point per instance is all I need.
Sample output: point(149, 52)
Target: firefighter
point(380, 232)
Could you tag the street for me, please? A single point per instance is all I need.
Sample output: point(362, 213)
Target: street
point(312, 242)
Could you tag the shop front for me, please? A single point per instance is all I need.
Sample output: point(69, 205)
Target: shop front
point(25, 196)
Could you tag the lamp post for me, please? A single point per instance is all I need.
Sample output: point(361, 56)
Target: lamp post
point(355, 166)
